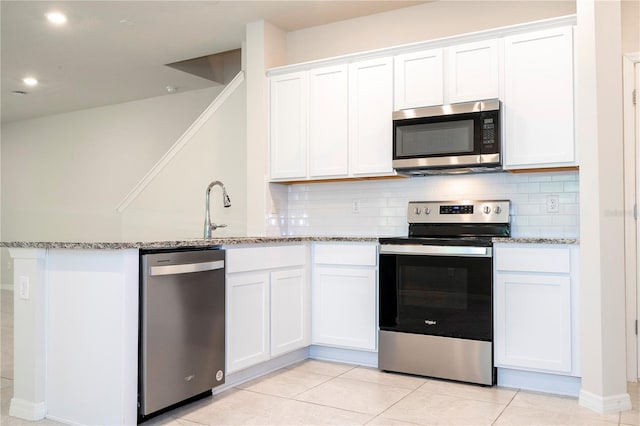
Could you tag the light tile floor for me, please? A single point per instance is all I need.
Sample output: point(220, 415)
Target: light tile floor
point(323, 393)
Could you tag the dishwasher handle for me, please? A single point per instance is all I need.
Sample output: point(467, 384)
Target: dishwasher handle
point(185, 268)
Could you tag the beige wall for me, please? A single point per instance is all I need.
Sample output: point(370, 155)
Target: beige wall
point(64, 175)
point(265, 48)
point(172, 206)
point(630, 12)
point(417, 23)
point(600, 142)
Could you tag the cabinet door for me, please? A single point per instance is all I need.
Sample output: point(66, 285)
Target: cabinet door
point(538, 99)
point(344, 307)
point(247, 320)
point(370, 115)
point(533, 322)
point(290, 311)
point(472, 71)
point(328, 122)
point(288, 126)
point(418, 79)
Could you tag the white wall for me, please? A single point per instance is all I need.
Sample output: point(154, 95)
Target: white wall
point(417, 23)
point(600, 138)
point(172, 206)
point(630, 12)
point(327, 208)
point(64, 175)
point(264, 49)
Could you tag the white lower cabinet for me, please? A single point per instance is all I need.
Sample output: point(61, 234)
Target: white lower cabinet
point(535, 308)
point(268, 304)
point(247, 320)
point(344, 295)
point(290, 309)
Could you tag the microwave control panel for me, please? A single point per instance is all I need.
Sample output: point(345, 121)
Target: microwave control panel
point(488, 131)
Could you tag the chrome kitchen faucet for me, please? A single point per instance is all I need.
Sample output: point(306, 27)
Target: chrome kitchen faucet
point(226, 201)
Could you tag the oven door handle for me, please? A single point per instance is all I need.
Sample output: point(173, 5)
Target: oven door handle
point(424, 250)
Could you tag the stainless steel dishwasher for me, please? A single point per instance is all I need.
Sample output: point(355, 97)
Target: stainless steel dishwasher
point(182, 329)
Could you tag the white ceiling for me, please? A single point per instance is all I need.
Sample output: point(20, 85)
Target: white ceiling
point(115, 51)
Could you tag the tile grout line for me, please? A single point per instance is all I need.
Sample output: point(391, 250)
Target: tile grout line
point(505, 407)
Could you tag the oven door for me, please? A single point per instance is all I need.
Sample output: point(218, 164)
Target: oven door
point(439, 291)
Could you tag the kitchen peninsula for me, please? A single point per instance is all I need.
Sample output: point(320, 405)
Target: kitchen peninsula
point(76, 317)
point(76, 322)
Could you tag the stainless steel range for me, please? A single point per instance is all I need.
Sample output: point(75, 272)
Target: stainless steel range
point(435, 291)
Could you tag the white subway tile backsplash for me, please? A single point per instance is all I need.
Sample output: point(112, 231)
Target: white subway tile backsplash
point(552, 187)
point(328, 208)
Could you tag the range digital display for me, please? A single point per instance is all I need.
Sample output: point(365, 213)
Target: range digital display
point(456, 209)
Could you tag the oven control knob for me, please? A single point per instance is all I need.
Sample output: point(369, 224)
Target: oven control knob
point(486, 209)
point(427, 210)
point(497, 210)
point(417, 210)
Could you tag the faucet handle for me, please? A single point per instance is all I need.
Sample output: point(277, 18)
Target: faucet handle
point(222, 225)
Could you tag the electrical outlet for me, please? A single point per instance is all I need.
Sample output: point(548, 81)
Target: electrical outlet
point(275, 206)
point(24, 287)
point(553, 204)
point(355, 206)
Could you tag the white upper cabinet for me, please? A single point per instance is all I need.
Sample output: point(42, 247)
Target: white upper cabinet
point(538, 100)
point(333, 119)
point(288, 126)
point(370, 114)
point(460, 73)
point(418, 79)
point(328, 122)
point(472, 72)
point(332, 122)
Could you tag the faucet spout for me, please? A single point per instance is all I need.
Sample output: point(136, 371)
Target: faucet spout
point(226, 202)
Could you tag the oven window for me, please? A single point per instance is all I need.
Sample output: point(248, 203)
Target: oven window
point(450, 137)
point(437, 295)
point(446, 288)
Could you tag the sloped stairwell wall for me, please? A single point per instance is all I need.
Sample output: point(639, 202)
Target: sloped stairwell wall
point(169, 202)
point(63, 175)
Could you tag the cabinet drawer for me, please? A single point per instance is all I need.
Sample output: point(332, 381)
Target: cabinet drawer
point(533, 259)
point(256, 258)
point(346, 254)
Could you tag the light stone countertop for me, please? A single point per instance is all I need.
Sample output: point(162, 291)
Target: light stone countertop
point(229, 241)
point(536, 240)
point(194, 242)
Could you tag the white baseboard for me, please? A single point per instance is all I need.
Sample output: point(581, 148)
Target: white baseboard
point(539, 382)
point(27, 410)
point(347, 356)
point(324, 353)
point(250, 373)
point(605, 404)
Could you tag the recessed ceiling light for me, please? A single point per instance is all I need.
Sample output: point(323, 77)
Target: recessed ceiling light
point(56, 18)
point(30, 81)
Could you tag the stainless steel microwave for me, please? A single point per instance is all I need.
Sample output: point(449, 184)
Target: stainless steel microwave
point(454, 138)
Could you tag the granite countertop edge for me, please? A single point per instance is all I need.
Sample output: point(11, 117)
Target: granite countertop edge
point(536, 240)
point(195, 242)
point(229, 241)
